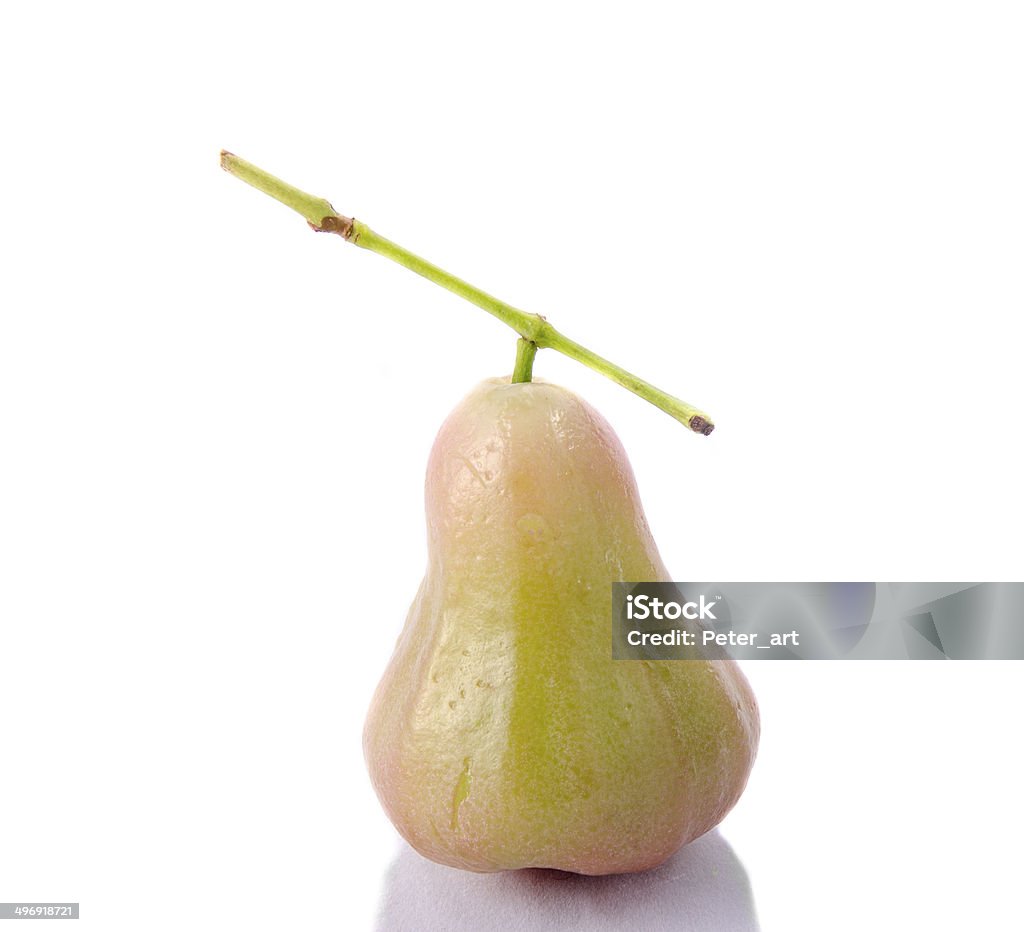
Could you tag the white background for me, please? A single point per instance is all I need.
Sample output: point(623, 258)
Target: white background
point(804, 217)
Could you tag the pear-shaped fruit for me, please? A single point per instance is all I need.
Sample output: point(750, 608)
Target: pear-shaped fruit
point(503, 734)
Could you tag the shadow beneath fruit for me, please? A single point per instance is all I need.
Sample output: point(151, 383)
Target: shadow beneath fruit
point(703, 886)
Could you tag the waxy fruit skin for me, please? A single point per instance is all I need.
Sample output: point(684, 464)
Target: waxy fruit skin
point(503, 734)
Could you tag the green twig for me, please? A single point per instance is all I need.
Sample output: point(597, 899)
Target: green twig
point(533, 328)
point(525, 352)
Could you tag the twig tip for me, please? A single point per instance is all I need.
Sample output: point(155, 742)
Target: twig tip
point(701, 425)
